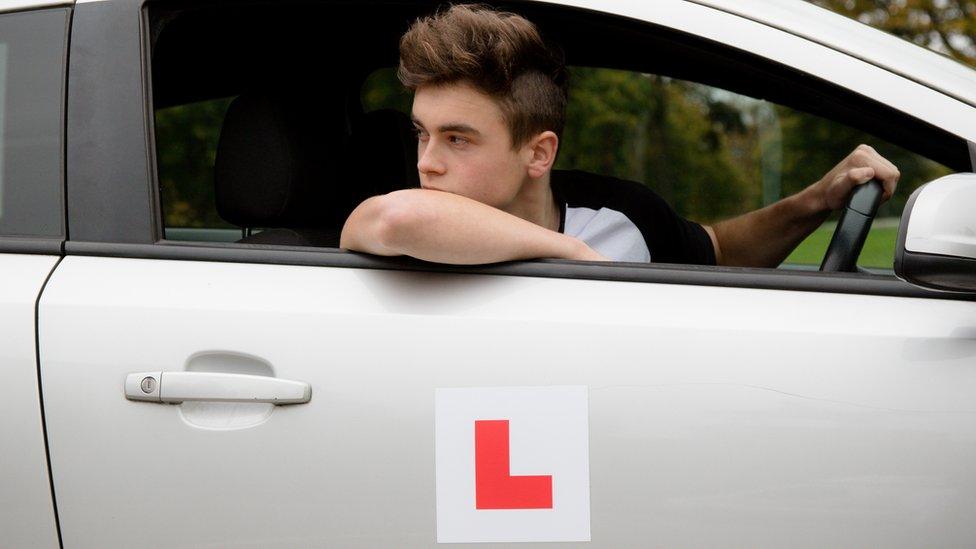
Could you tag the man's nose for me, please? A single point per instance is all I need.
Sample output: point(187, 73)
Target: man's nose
point(428, 161)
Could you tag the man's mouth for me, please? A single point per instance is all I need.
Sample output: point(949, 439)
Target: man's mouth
point(429, 187)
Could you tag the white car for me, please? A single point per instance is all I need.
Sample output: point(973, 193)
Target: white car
point(172, 385)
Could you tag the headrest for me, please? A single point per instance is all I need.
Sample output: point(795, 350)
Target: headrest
point(274, 159)
point(384, 149)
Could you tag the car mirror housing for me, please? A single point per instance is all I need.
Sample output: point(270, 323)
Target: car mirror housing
point(936, 245)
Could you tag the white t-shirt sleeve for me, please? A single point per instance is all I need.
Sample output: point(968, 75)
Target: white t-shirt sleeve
point(609, 232)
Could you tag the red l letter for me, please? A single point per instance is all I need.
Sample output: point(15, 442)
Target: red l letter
point(495, 488)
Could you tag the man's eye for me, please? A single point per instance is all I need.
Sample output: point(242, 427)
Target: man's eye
point(457, 140)
point(420, 134)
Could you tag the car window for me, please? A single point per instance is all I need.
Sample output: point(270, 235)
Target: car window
point(31, 105)
point(709, 152)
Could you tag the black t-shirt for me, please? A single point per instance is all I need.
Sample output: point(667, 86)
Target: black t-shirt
point(626, 221)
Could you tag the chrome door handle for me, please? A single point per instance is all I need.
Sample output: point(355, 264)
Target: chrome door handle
point(176, 387)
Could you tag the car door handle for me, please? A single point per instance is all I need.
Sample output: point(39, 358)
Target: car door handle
point(176, 387)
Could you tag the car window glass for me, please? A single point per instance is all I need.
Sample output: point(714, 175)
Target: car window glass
point(31, 104)
point(186, 139)
point(710, 153)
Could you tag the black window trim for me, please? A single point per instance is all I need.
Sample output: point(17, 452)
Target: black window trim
point(32, 245)
point(659, 273)
point(107, 163)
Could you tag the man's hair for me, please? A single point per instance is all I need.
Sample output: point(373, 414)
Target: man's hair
point(501, 54)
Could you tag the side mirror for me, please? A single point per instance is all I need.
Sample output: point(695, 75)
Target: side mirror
point(937, 236)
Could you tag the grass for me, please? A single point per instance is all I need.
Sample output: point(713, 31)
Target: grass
point(878, 252)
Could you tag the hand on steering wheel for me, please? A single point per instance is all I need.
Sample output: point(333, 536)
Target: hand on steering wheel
point(852, 228)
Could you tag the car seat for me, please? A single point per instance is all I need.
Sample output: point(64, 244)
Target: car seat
point(292, 170)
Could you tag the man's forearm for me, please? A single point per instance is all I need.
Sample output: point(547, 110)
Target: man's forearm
point(447, 228)
point(763, 238)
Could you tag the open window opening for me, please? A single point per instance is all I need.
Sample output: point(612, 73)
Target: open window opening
point(271, 125)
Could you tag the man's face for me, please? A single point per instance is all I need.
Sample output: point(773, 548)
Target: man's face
point(464, 146)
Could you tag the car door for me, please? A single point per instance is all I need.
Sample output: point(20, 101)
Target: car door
point(699, 414)
point(709, 406)
point(31, 235)
point(705, 423)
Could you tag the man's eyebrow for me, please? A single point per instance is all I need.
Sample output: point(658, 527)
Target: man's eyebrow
point(458, 127)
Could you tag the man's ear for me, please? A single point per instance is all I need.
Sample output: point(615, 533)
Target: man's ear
point(541, 153)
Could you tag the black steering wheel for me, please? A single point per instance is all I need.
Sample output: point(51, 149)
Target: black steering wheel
point(852, 228)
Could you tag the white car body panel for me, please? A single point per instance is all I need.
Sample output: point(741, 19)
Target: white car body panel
point(899, 92)
point(718, 416)
point(27, 517)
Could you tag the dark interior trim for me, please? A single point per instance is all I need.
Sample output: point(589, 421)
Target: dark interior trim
point(731, 277)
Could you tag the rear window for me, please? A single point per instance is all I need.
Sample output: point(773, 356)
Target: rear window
point(31, 100)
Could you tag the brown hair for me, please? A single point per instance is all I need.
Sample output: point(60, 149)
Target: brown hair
point(501, 54)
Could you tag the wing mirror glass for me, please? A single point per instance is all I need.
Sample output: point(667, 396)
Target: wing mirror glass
point(937, 236)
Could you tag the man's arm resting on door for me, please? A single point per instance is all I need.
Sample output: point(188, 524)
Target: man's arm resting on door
point(447, 228)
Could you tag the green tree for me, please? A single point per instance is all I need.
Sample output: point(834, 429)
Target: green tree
point(186, 147)
point(664, 133)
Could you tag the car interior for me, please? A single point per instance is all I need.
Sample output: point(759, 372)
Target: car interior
point(297, 151)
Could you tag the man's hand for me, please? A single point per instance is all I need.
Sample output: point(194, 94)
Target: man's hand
point(862, 165)
point(765, 237)
point(447, 228)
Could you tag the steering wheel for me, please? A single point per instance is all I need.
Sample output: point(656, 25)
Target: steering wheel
point(852, 229)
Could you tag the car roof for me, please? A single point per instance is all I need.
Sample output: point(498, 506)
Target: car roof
point(822, 26)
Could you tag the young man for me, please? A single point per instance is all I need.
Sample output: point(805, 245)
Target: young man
point(489, 107)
